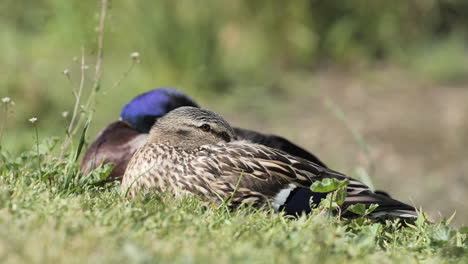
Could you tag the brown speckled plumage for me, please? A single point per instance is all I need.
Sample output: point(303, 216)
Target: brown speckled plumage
point(214, 170)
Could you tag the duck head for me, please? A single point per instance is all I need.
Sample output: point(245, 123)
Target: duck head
point(146, 108)
point(190, 127)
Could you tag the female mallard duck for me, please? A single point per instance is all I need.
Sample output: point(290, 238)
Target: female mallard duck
point(195, 151)
point(119, 140)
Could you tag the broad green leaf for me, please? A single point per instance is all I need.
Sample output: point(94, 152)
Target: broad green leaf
point(328, 185)
point(359, 209)
point(371, 208)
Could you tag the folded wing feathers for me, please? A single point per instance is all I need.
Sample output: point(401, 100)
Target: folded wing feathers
point(214, 170)
point(277, 163)
point(303, 173)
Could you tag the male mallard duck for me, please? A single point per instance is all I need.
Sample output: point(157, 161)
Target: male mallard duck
point(119, 140)
point(195, 151)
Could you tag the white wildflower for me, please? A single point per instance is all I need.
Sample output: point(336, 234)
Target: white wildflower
point(33, 120)
point(6, 100)
point(65, 114)
point(135, 56)
point(66, 72)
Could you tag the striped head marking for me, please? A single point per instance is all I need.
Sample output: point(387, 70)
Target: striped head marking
point(190, 127)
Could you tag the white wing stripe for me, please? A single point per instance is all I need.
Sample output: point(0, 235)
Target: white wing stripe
point(281, 197)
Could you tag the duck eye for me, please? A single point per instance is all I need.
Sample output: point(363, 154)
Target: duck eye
point(206, 127)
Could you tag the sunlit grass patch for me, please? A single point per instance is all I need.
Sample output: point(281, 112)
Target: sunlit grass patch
point(44, 221)
point(51, 213)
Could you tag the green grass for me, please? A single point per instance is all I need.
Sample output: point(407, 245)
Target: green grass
point(47, 217)
point(51, 214)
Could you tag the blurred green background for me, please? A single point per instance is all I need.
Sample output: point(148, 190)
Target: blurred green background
point(397, 69)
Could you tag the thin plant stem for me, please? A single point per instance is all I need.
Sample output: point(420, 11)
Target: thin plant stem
point(358, 138)
point(102, 20)
point(72, 85)
point(90, 103)
point(123, 76)
point(37, 148)
point(69, 134)
point(5, 109)
point(331, 204)
point(99, 56)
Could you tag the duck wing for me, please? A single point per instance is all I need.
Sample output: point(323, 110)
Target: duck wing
point(279, 176)
point(114, 144)
point(277, 142)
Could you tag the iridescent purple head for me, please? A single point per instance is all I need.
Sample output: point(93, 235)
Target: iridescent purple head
point(146, 108)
